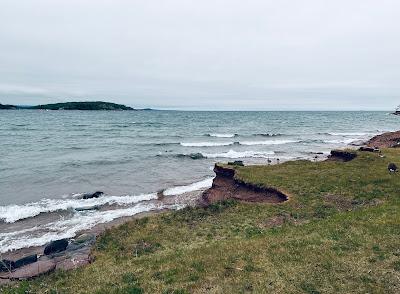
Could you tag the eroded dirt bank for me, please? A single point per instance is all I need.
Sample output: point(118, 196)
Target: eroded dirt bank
point(386, 140)
point(226, 186)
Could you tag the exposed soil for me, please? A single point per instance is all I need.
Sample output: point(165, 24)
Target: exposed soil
point(340, 202)
point(225, 186)
point(386, 140)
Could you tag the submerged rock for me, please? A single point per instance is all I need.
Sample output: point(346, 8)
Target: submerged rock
point(56, 246)
point(92, 195)
point(94, 207)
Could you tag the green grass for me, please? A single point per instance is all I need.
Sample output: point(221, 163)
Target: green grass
point(339, 233)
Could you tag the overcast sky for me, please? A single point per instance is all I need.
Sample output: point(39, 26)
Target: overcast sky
point(203, 54)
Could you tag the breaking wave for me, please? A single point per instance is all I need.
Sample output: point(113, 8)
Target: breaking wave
point(13, 213)
point(207, 144)
point(67, 228)
point(222, 135)
point(240, 154)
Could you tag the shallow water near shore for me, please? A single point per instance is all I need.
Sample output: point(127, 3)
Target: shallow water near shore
point(49, 158)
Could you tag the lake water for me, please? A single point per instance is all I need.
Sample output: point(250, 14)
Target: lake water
point(49, 158)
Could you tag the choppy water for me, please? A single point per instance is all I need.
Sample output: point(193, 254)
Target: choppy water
point(48, 158)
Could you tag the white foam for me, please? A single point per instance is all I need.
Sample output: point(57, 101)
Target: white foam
point(68, 228)
point(13, 213)
point(223, 135)
point(348, 134)
point(342, 141)
point(238, 154)
point(206, 144)
point(207, 183)
point(268, 142)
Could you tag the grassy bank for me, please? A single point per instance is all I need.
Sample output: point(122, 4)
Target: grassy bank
point(338, 233)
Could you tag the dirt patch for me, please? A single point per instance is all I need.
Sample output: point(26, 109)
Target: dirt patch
point(225, 186)
point(339, 202)
point(386, 140)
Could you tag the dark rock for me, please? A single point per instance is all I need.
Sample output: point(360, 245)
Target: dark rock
point(56, 246)
point(94, 195)
point(236, 162)
point(6, 265)
point(392, 168)
point(343, 155)
point(196, 156)
point(26, 260)
point(369, 149)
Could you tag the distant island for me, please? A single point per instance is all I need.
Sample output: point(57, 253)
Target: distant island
point(93, 105)
point(6, 106)
point(96, 105)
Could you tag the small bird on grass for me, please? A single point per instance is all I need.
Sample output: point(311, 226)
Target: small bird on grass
point(392, 168)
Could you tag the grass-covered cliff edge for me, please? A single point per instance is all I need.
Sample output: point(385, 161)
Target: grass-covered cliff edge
point(338, 233)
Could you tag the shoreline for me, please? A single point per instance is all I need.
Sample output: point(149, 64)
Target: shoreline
point(81, 255)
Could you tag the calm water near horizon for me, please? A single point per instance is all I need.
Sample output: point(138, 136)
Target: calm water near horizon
point(48, 158)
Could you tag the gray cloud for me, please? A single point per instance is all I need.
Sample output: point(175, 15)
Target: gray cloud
point(225, 54)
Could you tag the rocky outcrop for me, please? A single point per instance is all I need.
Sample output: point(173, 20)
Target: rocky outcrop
point(18, 266)
point(226, 186)
point(342, 155)
point(386, 140)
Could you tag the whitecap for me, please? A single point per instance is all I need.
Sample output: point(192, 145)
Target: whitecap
point(222, 135)
point(342, 141)
point(240, 154)
point(268, 142)
point(348, 134)
point(206, 144)
point(13, 213)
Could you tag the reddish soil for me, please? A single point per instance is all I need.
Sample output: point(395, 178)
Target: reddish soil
point(225, 186)
point(386, 140)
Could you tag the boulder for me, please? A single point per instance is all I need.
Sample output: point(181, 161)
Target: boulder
point(369, 149)
point(392, 168)
point(92, 195)
point(343, 155)
point(56, 246)
point(6, 265)
point(26, 260)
